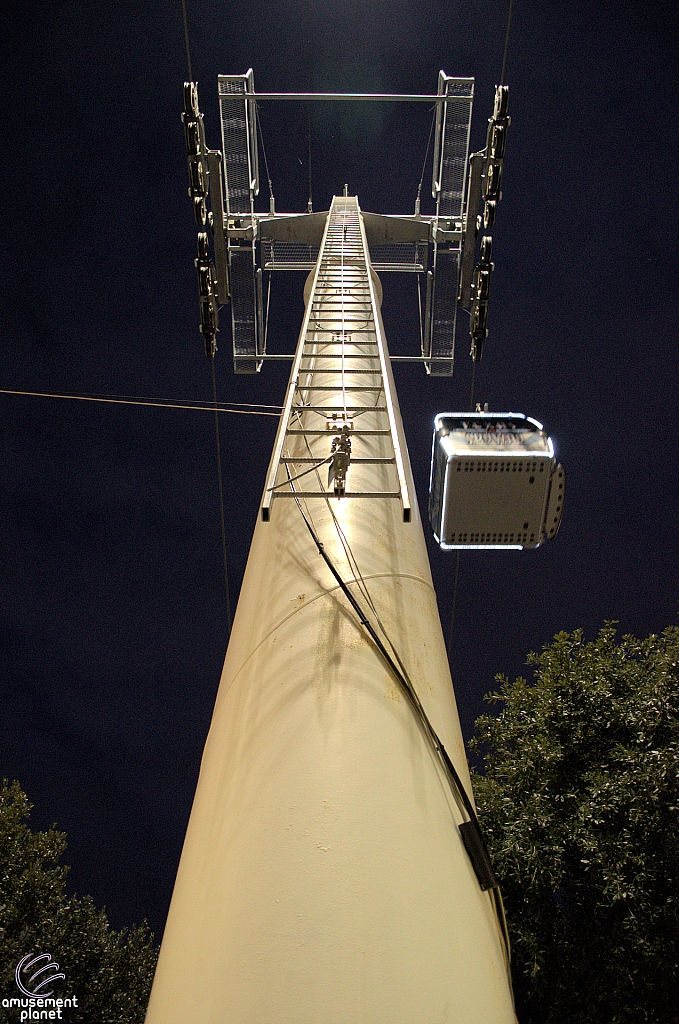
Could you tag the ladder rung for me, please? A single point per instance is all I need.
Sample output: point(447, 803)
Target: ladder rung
point(320, 369)
point(280, 493)
point(339, 408)
point(331, 387)
point(354, 461)
point(354, 433)
point(330, 411)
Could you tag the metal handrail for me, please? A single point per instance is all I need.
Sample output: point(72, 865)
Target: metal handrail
point(377, 97)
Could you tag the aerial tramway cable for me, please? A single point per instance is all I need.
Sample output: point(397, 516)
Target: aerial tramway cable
point(244, 408)
point(471, 396)
point(504, 56)
point(220, 482)
point(186, 40)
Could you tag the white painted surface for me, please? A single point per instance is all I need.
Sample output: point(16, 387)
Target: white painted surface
point(323, 879)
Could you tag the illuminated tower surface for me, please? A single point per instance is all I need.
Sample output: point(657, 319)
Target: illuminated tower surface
point(323, 878)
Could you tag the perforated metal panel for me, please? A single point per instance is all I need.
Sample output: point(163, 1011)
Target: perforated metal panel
point(245, 310)
point(239, 141)
point(439, 340)
point(451, 149)
point(288, 255)
point(405, 257)
point(453, 122)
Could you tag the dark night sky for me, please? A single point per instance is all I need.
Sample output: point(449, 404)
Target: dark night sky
point(112, 602)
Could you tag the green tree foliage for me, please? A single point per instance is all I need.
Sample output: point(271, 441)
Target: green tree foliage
point(109, 972)
point(580, 806)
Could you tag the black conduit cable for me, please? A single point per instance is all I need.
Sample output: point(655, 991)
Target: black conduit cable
point(311, 469)
point(405, 683)
point(470, 831)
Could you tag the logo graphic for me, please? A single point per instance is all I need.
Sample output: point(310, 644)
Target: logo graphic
point(34, 987)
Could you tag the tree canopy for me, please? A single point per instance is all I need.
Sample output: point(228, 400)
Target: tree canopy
point(579, 803)
point(109, 972)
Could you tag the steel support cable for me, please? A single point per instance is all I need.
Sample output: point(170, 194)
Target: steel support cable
point(310, 205)
point(417, 207)
point(451, 772)
point(471, 396)
point(457, 553)
point(214, 395)
point(221, 503)
point(452, 611)
point(504, 56)
point(426, 155)
point(266, 162)
point(160, 403)
point(284, 483)
point(186, 40)
point(419, 307)
point(268, 304)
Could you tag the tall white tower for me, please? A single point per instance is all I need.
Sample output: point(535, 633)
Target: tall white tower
point(324, 878)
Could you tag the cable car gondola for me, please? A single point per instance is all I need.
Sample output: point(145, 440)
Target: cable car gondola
point(495, 483)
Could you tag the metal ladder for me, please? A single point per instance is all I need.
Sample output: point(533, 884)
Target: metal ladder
point(341, 341)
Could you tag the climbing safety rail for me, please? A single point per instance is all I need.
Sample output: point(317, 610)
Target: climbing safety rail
point(338, 435)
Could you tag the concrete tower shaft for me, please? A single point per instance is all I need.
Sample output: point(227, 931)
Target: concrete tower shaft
point(323, 878)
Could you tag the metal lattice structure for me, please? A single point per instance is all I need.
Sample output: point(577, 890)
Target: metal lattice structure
point(449, 174)
point(451, 144)
point(239, 141)
point(404, 257)
point(248, 243)
point(241, 185)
